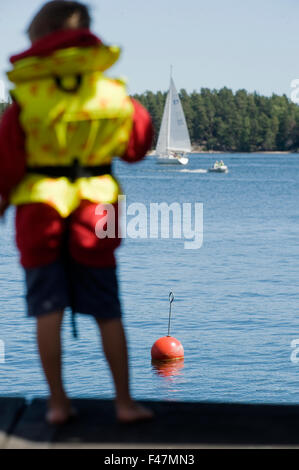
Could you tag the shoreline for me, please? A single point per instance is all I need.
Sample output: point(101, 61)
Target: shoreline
point(223, 152)
point(262, 152)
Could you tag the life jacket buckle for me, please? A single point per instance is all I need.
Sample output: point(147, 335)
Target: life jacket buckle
point(69, 84)
point(75, 170)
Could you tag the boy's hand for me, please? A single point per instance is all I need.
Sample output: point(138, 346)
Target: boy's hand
point(3, 206)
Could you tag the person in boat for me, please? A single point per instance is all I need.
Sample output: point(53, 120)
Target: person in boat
point(56, 148)
point(216, 164)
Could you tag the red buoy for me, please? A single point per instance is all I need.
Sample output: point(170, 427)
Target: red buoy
point(167, 349)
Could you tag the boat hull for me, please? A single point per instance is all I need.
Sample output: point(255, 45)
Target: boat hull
point(222, 169)
point(172, 160)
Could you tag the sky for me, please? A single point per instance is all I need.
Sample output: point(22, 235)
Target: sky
point(239, 44)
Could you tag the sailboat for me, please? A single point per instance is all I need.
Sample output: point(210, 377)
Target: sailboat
point(173, 140)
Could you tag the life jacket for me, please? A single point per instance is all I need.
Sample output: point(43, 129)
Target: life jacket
point(73, 116)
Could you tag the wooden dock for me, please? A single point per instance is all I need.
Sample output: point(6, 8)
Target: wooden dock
point(176, 426)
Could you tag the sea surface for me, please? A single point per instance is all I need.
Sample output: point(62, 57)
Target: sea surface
point(236, 307)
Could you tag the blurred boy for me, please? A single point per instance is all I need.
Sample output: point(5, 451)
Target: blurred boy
point(57, 141)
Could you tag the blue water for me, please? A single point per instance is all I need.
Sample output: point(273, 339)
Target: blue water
point(236, 298)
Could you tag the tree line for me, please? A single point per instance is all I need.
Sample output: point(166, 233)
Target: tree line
point(225, 121)
point(238, 122)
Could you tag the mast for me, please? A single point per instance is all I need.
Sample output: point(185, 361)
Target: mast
point(169, 109)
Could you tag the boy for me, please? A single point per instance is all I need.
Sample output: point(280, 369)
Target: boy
point(57, 141)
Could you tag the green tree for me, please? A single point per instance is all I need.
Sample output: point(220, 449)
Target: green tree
point(240, 121)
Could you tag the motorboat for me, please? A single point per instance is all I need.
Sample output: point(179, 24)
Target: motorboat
point(219, 167)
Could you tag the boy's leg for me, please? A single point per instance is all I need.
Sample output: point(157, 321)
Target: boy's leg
point(49, 344)
point(40, 233)
point(115, 349)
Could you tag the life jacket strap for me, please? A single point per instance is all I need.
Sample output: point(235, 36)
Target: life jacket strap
point(73, 172)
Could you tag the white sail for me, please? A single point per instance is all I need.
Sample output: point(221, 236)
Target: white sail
point(163, 138)
point(173, 135)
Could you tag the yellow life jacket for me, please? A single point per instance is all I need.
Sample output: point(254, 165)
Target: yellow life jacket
point(70, 111)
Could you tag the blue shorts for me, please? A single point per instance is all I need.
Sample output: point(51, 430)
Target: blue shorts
point(87, 290)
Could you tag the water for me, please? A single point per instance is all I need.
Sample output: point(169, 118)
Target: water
point(236, 298)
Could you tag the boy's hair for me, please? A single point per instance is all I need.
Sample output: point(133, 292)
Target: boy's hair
point(54, 15)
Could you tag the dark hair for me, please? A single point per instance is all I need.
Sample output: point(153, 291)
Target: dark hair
point(54, 15)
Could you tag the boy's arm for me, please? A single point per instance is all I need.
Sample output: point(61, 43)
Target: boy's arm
point(12, 154)
point(141, 136)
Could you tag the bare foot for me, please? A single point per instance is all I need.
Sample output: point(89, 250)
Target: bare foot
point(133, 412)
point(60, 413)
